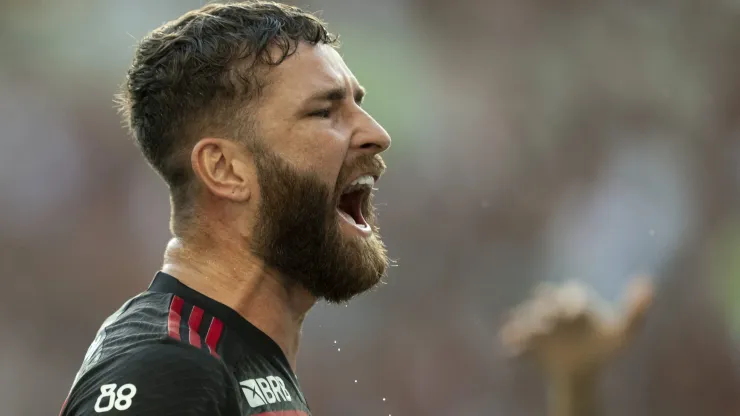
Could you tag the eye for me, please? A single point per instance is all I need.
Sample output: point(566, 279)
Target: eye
point(325, 113)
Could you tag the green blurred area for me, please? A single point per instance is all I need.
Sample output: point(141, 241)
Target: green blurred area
point(724, 263)
point(392, 66)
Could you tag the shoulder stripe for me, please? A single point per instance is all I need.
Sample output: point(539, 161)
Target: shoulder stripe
point(214, 334)
point(196, 315)
point(64, 405)
point(194, 320)
point(173, 321)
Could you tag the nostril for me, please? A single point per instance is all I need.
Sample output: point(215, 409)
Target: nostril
point(368, 145)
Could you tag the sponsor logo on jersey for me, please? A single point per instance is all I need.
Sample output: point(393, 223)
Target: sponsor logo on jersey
point(262, 391)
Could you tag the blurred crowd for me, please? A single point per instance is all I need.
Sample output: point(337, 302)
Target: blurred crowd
point(533, 141)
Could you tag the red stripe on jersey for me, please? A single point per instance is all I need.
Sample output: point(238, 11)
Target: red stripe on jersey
point(194, 324)
point(63, 406)
point(284, 413)
point(173, 321)
point(214, 333)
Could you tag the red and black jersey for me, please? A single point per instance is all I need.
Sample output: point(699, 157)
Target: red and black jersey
point(173, 351)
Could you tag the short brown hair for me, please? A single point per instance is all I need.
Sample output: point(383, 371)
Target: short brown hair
point(197, 74)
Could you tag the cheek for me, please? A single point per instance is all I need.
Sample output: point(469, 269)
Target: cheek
point(323, 154)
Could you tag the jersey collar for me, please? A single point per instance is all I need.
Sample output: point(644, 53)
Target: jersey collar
point(165, 283)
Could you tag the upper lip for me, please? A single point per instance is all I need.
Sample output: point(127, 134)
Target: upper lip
point(375, 175)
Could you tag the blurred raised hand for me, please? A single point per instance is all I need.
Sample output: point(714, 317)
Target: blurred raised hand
point(573, 334)
point(570, 328)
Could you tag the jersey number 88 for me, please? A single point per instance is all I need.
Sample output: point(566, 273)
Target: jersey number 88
point(110, 397)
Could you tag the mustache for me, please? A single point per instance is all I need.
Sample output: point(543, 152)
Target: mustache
point(371, 165)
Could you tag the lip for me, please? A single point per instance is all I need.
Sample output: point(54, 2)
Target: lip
point(347, 223)
point(361, 230)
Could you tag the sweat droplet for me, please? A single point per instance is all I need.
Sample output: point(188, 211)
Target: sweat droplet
point(339, 349)
point(355, 381)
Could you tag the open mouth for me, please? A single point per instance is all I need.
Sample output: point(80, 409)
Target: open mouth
point(353, 199)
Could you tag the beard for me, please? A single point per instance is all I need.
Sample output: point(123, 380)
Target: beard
point(298, 232)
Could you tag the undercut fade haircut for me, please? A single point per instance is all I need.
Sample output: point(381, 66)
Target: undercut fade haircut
point(198, 75)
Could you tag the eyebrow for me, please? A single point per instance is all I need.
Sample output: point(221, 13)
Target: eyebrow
point(338, 94)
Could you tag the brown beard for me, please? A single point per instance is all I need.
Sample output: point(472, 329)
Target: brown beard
point(298, 232)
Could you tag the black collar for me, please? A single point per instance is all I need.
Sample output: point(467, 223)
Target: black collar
point(253, 336)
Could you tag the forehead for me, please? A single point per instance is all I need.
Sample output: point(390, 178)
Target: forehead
point(310, 69)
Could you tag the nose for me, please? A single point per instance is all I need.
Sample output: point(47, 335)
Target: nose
point(370, 137)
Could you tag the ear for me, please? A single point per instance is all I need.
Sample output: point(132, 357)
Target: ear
point(222, 166)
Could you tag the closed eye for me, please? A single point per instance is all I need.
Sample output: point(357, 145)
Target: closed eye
point(325, 113)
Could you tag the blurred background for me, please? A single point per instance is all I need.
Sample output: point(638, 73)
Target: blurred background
point(534, 141)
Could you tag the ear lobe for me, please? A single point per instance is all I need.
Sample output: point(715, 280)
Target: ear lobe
point(219, 165)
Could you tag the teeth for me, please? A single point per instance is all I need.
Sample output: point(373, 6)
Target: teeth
point(363, 181)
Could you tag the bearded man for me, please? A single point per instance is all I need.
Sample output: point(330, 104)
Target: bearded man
point(251, 117)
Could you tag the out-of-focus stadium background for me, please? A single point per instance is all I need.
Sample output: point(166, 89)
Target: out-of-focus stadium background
point(534, 141)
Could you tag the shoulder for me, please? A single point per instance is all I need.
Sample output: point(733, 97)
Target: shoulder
point(154, 379)
point(153, 318)
point(170, 358)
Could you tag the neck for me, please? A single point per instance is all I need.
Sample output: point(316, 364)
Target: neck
point(243, 283)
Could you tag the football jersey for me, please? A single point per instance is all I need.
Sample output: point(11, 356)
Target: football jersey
point(174, 351)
